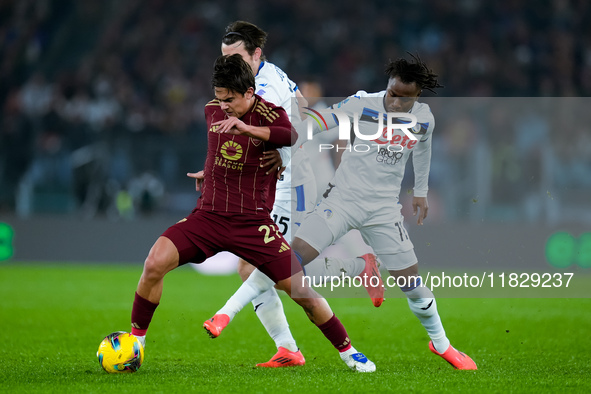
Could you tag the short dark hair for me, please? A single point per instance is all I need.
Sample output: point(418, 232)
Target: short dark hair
point(233, 73)
point(252, 36)
point(415, 71)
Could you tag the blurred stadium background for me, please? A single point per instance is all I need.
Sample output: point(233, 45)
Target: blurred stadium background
point(102, 112)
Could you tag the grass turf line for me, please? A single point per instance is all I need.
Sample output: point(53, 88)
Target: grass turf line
point(53, 316)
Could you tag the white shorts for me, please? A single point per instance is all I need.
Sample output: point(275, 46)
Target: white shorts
point(381, 228)
point(289, 213)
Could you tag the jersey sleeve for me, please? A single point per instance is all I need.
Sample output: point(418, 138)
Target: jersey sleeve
point(421, 156)
point(211, 109)
point(274, 86)
point(270, 93)
point(282, 132)
point(282, 94)
point(326, 119)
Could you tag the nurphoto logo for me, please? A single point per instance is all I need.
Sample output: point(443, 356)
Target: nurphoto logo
point(382, 136)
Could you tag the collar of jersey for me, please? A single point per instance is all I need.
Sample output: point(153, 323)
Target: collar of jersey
point(260, 66)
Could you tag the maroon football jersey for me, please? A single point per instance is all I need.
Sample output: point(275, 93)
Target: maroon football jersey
point(233, 181)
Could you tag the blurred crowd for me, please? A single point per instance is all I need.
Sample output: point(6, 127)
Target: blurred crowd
point(102, 101)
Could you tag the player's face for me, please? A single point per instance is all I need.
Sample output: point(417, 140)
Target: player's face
point(238, 48)
point(400, 96)
point(232, 103)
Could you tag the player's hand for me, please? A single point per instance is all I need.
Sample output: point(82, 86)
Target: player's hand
point(272, 159)
point(232, 125)
point(198, 176)
point(420, 206)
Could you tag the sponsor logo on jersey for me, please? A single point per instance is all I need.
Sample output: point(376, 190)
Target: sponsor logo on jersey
point(396, 140)
point(232, 165)
point(231, 150)
point(388, 157)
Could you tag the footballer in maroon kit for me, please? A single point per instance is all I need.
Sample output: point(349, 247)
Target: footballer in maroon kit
point(232, 213)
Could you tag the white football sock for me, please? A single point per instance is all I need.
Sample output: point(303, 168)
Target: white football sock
point(269, 310)
point(334, 267)
point(256, 284)
point(142, 340)
point(422, 303)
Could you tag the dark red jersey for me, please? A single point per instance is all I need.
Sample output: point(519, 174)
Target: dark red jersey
point(233, 181)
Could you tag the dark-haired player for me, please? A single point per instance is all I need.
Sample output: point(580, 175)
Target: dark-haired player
point(232, 213)
point(364, 195)
point(297, 180)
point(296, 189)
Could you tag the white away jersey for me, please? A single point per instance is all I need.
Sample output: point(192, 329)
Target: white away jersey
point(274, 85)
point(371, 172)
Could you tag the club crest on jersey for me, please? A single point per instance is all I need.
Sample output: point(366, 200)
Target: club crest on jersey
point(327, 213)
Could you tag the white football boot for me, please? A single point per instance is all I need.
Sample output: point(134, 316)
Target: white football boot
point(357, 361)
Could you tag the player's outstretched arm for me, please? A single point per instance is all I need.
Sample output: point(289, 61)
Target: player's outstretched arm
point(282, 135)
point(302, 104)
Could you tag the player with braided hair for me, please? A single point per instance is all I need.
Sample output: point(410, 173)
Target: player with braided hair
point(415, 71)
point(364, 193)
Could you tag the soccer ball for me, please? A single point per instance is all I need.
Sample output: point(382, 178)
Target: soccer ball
point(120, 352)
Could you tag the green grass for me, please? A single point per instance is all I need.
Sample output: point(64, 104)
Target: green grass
point(53, 317)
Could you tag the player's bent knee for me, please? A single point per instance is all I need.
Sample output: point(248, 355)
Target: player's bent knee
point(259, 281)
point(163, 257)
point(406, 273)
point(154, 269)
point(306, 252)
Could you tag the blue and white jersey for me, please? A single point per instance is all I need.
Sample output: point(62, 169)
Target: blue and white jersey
point(274, 85)
point(371, 171)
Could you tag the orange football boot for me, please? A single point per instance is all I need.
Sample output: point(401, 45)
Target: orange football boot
point(371, 270)
point(457, 359)
point(216, 324)
point(284, 358)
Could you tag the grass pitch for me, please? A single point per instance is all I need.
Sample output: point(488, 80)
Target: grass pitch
point(53, 317)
